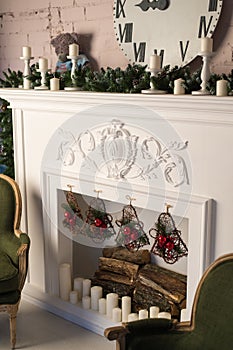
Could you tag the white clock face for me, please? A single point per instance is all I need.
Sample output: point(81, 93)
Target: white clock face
point(170, 28)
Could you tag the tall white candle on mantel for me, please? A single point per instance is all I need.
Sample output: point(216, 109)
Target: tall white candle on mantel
point(206, 44)
point(178, 87)
point(111, 303)
point(221, 88)
point(155, 62)
point(43, 64)
point(86, 287)
point(78, 286)
point(65, 281)
point(73, 50)
point(26, 52)
point(126, 307)
point(96, 294)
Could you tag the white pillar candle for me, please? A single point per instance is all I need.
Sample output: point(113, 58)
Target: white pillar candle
point(26, 84)
point(86, 287)
point(78, 286)
point(73, 297)
point(155, 62)
point(164, 315)
point(116, 314)
point(73, 50)
point(178, 87)
point(132, 317)
point(102, 306)
point(86, 302)
point(43, 64)
point(206, 44)
point(126, 307)
point(26, 52)
point(143, 314)
point(221, 88)
point(54, 84)
point(96, 294)
point(65, 281)
point(154, 311)
point(111, 303)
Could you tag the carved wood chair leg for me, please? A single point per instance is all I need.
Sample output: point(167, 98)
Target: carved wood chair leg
point(13, 330)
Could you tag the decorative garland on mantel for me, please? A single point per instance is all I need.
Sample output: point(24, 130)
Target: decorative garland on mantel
point(131, 80)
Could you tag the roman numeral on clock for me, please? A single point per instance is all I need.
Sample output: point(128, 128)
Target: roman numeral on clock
point(120, 11)
point(204, 27)
point(183, 49)
point(126, 32)
point(213, 5)
point(139, 51)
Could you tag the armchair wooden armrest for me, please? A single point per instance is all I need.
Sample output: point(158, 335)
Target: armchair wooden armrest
point(117, 333)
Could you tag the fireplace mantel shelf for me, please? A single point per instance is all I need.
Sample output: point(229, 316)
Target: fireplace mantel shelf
point(188, 108)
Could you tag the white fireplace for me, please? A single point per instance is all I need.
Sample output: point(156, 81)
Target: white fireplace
point(157, 149)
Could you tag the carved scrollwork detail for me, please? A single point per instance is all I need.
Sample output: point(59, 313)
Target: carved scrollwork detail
point(118, 153)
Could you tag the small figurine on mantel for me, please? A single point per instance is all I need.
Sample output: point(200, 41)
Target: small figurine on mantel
point(61, 44)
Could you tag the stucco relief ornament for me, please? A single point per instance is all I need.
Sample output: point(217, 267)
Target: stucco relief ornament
point(119, 149)
point(120, 152)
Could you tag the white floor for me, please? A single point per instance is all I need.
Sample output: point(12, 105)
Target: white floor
point(38, 329)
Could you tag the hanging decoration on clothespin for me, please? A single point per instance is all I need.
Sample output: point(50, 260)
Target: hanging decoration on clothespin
point(131, 233)
point(168, 243)
point(98, 224)
point(73, 219)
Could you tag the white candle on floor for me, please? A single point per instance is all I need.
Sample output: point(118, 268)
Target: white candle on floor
point(111, 303)
point(96, 294)
point(102, 306)
point(126, 307)
point(65, 281)
point(78, 286)
point(143, 314)
point(164, 315)
point(116, 314)
point(86, 287)
point(132, 317)
point(73, 297)
point(86, 302)
point(154, 311)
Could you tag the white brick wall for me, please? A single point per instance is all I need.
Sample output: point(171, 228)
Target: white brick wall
point(35, 23)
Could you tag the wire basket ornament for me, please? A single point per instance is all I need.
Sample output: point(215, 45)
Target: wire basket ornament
point(98, 225)
point(131, 233)
point(168, 243)
point(73, 218)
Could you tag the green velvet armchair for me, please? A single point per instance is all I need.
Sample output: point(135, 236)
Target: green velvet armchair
point(210, 327)
point(14, 246)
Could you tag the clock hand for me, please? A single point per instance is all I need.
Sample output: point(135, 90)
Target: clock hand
point(145, 5)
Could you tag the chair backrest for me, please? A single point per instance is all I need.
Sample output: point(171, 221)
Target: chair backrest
point(212, 316)
point(10, 205)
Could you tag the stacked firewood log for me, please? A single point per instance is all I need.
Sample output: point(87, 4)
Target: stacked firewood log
point(132, 273)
